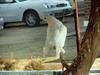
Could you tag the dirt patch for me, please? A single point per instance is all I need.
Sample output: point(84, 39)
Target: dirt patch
point(28, 64)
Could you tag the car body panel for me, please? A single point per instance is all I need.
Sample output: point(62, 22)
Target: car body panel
point(9, 12)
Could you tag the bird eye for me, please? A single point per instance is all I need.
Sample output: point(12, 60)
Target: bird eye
point(44, 17)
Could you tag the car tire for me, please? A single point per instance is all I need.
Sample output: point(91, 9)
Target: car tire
point(31, 18)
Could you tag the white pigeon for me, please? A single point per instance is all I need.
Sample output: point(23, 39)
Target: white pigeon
point(56, 35)
point(1, 23)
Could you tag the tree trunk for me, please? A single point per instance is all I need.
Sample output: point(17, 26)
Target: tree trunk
point(90, 44)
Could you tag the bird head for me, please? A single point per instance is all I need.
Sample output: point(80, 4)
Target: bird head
point(48, 18)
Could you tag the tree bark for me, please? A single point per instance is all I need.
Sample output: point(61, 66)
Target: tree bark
point(90, 44)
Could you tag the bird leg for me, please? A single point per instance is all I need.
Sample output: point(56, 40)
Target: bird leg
point(58, 52)
point(62, 50)
point(44, 52)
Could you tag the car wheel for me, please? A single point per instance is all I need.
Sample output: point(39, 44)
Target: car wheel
point(31, 18)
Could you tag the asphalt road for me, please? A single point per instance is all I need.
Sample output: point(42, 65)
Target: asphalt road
point(25, 42)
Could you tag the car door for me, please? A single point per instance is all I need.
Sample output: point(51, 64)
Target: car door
point(8, 10)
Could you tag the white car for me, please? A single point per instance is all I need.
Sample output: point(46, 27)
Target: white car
point(31, 11)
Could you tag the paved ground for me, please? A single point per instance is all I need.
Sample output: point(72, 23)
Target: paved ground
point(24, 42)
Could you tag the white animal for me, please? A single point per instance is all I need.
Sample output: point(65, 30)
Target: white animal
point(56, 35)
point(1, 23)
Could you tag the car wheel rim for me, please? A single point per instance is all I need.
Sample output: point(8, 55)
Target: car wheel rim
point(31, 19)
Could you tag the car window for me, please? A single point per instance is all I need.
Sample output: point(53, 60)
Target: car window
point(2, 1)
point(22, 0)
point(5, 1)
